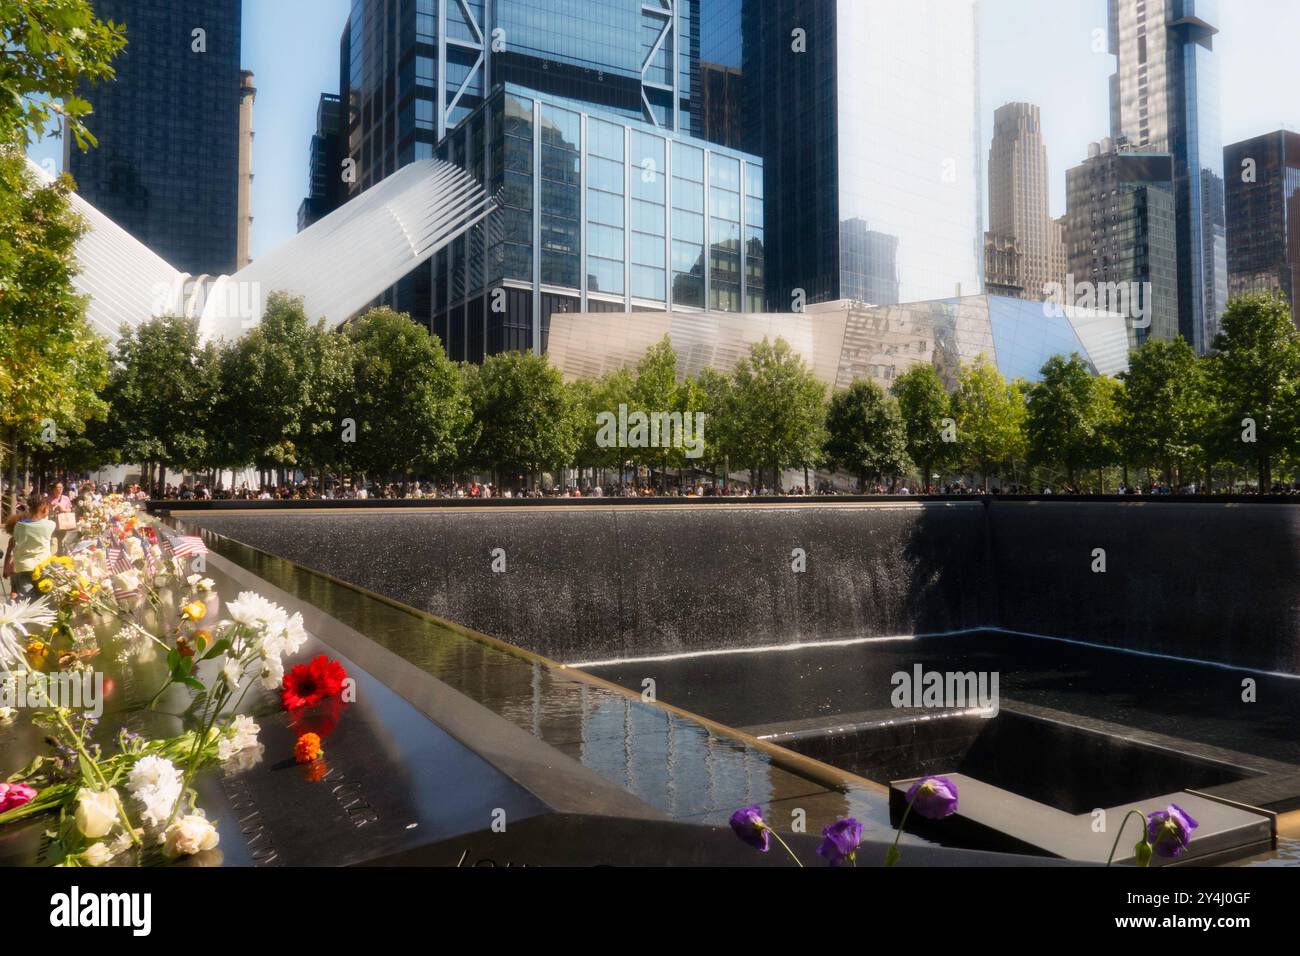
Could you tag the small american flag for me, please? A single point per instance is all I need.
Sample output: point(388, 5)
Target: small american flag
point(127, 586)
point(182, 546)
point(82, 545)
point(118, 562)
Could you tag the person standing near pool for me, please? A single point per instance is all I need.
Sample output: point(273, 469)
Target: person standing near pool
point(61, 504)
point(30, 538)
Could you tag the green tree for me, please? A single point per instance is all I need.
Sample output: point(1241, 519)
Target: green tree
point(52, 365)
point(778, 410)
point(161, 394)
point(1162, 408)
point(654, 391)
point(1256, 374)
point(990, 416)
point(716, 398)
point(1066, 416)
point(926, 409)
point(273, 408)
point(522, 410)
point(592, 399)
point(409, 404)
point(865, 432)
point(49, 51)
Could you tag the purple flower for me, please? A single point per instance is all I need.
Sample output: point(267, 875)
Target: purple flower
point(841, 841)
point(749, 826)
point(1170, 830)
point(933, 797)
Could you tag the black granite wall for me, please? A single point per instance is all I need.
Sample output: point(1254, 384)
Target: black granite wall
point(1218, 582)
point(598, 583)
point(1204, 580)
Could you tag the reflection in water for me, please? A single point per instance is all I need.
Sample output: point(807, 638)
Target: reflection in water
point(671, 762)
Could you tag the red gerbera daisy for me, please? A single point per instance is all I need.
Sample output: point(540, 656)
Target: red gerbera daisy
point(308, 683)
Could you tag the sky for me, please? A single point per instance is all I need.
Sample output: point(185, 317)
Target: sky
point(1038, 51)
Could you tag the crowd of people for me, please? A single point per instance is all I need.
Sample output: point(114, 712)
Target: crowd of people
point(44, 523)
point(313, 489)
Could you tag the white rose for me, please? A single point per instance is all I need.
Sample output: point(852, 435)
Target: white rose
point(97, 854)
point(96, 812)
point(189, 835)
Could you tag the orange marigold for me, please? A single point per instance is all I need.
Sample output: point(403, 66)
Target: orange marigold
point(307, 748)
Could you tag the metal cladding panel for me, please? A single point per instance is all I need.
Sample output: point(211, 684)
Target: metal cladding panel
point(338, 265)
point(356, 252)
point(846, 341)
point(125, 280)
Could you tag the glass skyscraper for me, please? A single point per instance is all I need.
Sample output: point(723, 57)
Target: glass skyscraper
point(866, 116)
point(412, 71)
point(717, 105)
point(1122, 228)
point(597, 213)
point(167, 165)
point(1263, 212)
point(1165, 98)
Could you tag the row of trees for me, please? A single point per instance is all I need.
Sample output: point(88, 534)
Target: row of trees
point(381, 398)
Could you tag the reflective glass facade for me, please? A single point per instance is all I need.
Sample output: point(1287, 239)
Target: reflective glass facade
point(1263, 216)
point(717, 104)
point(595, 213)
point(1165, 97)
point(324, 173)
point(1122, 228)
point(413, 71)
point(167, 165)
point(866, 114)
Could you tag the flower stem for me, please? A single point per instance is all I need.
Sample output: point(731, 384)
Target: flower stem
point(892, 856)
point(785, 845)
point(1120, 833)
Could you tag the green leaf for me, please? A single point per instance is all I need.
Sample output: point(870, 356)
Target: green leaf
point(217, 649)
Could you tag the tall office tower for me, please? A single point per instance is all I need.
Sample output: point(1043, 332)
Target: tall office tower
point(167, 165)
point(1121, 228)
point(596, 213)
point(1165, 98)
point(244, 232)
point(717, 111)
point(1018, 193)
point(1058, 256)
point(1263, 211)
point(325, 164)
point(411, 72)
point(866, 116)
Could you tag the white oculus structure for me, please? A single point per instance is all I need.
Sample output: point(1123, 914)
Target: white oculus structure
point(337, 265)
